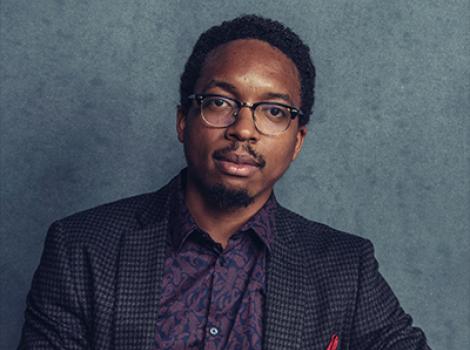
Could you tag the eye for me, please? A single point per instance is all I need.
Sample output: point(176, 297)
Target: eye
point(274, 111)
point(216, 103)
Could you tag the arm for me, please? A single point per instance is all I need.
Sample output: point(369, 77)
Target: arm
point(53, 317)
point(379, 321)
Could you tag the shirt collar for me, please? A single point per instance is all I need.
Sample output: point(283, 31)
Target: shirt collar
point(182, 224)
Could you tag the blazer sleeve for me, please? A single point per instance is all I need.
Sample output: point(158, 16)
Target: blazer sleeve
point(379, 321)
point(53, 317)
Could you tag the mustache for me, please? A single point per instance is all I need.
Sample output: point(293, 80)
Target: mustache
point(220, 153)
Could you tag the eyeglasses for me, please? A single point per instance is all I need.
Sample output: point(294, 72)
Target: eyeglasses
point(270, 118)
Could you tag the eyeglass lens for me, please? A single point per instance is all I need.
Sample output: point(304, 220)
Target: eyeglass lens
point(268, 118)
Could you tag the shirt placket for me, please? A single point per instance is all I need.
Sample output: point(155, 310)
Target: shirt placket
point(218, 323)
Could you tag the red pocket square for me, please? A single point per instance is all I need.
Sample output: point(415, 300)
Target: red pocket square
point(333, 345)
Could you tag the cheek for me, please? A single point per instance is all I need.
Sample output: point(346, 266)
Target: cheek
point(199, 142)
point(280, 156)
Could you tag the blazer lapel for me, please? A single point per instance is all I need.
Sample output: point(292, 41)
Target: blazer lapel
point(139, 278)
point(138, 288)
point(285, 291)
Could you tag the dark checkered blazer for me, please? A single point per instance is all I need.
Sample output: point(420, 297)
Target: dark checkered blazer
point(98, 284)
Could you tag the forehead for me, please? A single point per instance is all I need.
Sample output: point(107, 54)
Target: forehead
point(251, 65)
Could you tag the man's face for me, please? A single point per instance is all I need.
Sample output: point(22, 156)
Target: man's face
point(239, 158)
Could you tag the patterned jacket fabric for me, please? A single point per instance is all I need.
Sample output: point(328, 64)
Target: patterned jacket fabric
point(98, 284)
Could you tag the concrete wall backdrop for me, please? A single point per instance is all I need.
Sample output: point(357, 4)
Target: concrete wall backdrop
point(88, 96)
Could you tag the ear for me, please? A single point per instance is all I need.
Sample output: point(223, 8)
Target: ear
point(180, 124)
point(299, 140)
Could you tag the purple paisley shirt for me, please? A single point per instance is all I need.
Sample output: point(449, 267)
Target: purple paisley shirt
point(212, 298)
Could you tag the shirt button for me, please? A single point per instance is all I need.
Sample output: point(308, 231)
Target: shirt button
point(213, 331)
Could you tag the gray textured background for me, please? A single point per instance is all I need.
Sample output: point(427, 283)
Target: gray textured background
point(88, 96)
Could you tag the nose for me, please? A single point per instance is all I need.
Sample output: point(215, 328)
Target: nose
point(244, 128)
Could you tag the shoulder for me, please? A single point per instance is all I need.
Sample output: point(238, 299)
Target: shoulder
point(333, 259)
point(114, 214)
point(103, 226)
point(314, 239)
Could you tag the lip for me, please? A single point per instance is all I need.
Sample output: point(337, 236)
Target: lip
point(234, 164)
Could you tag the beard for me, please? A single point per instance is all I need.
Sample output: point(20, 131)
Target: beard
point(220, 197)
point(217, 195)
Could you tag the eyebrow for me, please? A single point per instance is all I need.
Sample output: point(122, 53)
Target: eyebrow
point(234, 91)
point(272, 95)
point(221, 84)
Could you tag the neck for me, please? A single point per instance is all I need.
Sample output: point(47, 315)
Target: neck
point(219, 223)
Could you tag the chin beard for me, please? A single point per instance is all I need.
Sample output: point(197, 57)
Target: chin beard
point(222, 197)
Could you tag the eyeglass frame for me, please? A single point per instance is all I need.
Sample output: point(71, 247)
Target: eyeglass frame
point(294, 111)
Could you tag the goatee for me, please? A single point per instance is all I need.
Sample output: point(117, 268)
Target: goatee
point(220, 197)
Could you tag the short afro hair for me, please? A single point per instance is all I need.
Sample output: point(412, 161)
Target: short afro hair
point(252, 27)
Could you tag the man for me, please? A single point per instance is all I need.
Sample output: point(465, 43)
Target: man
point(212, 260)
